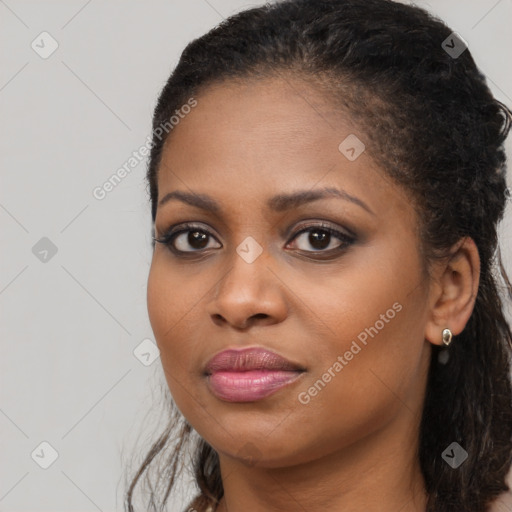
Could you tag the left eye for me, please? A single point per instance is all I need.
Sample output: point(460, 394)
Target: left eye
point(321, 238)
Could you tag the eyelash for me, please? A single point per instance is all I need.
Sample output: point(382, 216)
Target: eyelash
point(168, 238)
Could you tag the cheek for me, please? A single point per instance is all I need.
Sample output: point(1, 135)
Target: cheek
point(174, 304)
point(170, 299)
point(167, 310)
point(359, 303)
point(357, 387)
point(160, 308)
point(371, 338)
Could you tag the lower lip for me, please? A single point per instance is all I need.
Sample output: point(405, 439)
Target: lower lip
point(249, 386)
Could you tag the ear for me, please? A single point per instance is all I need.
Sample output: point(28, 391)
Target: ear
point(453, 291)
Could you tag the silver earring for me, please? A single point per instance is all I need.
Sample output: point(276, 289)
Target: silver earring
point(447, 336)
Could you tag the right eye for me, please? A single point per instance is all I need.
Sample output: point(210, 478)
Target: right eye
point(187, 235)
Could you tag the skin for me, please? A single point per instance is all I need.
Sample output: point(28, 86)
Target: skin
point(353, 447)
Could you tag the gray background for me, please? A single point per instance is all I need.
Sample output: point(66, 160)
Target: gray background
point(70, 323)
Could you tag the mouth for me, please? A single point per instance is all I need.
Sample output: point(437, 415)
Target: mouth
point(249, 375)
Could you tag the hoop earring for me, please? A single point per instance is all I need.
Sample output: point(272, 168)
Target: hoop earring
point(447, 336)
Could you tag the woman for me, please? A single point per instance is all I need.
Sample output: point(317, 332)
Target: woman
point(326, 181)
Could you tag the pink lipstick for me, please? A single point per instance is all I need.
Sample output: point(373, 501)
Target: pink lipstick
point(250, 374)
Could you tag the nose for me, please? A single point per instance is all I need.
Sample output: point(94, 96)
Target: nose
point(248, 293)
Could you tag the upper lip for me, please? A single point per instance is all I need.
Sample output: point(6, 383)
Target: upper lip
point(249, 359)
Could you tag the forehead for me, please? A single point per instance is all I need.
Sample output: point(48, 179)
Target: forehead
point(287, 115)
point(261, 137)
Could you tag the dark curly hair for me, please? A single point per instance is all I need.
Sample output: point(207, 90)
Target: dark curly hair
point(435, 128)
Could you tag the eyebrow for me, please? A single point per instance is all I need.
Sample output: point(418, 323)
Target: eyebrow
point(277, 203)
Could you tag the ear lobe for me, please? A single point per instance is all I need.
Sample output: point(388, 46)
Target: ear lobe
point(453, 298)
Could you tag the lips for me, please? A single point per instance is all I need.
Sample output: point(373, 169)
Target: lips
point(249, 375)
point(249, 359)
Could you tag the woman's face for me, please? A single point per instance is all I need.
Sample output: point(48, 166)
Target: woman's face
point(350, 310)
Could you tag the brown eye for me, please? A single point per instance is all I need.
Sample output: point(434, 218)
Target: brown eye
point(188, 239)
point(193, 238)
point(322, 238)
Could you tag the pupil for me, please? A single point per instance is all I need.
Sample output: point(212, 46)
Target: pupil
point(197, 239)
point(318, 242)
